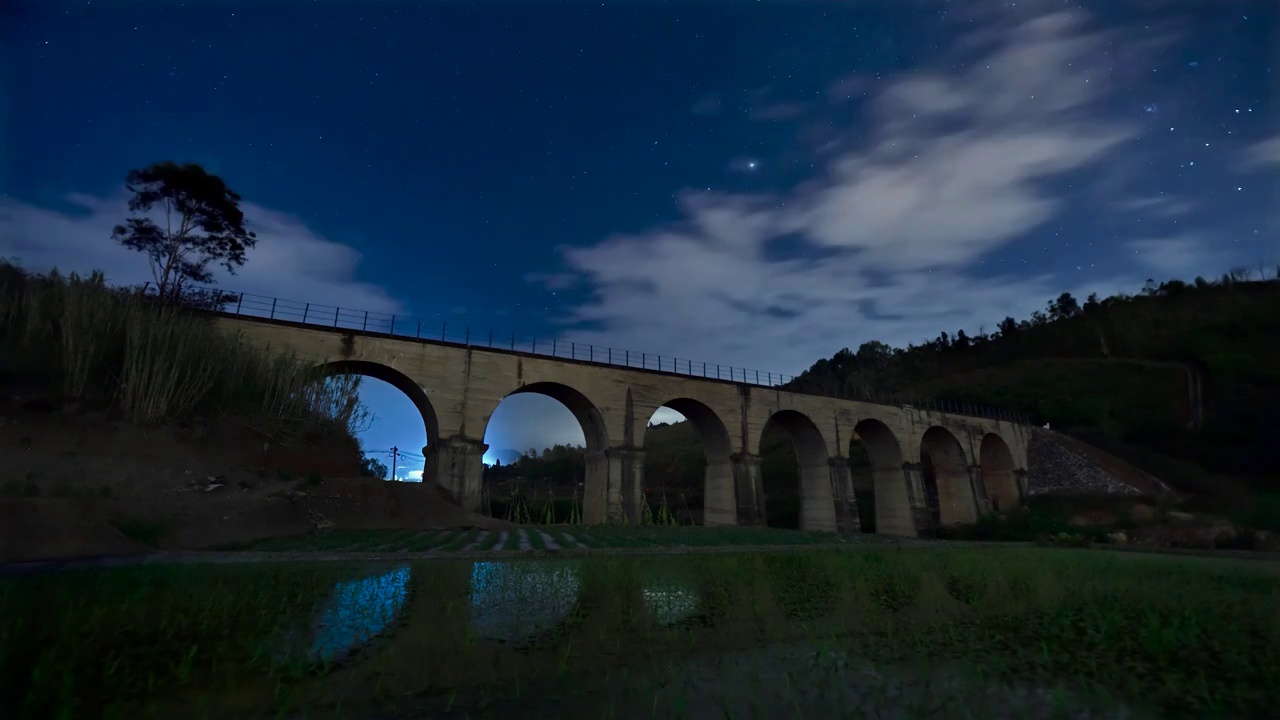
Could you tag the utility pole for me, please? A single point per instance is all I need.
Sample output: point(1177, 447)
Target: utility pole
point(394, 452)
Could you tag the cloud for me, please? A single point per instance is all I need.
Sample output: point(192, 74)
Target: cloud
point(1163, 205)
point(1179, 256)
point(773, 112)
point(290, 260)
point(412, 476)
point(949, 166)
point(708, 104)
point(1262, 155)
point(666, 415)
point(847, 88)
point(765, 108)
point(553, 281)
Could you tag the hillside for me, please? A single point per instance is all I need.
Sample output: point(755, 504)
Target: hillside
point(1182, 380)
point(129, 424)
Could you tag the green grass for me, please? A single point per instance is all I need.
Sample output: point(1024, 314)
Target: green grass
point(1184, 637)
point(459, 539)
point(490, 541)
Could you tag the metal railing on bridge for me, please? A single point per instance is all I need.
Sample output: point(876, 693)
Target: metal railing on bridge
point(249, 305)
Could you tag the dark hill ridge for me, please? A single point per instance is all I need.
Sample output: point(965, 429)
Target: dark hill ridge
point(1181, 380)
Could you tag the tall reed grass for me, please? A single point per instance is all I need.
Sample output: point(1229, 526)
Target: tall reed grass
point(158, 361)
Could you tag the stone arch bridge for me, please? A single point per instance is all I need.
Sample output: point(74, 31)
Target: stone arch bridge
point(927, 467)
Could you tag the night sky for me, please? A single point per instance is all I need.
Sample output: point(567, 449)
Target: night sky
point(750, 183)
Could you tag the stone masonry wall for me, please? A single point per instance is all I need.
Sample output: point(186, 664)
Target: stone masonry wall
point(1058, 469)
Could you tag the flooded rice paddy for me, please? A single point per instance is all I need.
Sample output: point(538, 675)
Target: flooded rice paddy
point(887, 633)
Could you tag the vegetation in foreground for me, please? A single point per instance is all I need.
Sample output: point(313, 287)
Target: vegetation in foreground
point(1186, 637)
point(151, 361)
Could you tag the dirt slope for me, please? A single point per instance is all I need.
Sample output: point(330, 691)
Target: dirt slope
point(81, 486)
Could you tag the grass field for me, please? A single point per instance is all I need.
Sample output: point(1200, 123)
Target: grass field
point(852, 632)
point(540, 537)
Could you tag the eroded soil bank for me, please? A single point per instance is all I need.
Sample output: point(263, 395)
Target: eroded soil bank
point(81, 485)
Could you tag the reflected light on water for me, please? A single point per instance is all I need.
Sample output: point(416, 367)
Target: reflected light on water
point(514, 602)
point(357, 612)
point(670, 602)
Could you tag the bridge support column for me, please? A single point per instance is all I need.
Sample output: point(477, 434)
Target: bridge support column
point(1023, 482)
point(614, 486)
point(918, 502)
point(817, 503)
point(890, 493)
point(983, 501)
point(748, 486)
point(457, 465)
point(720, 500)
point(847, 521)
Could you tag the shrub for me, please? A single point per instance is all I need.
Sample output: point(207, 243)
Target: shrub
point(158, 361)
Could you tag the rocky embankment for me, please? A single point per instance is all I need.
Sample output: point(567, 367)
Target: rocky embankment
point(1060, 464)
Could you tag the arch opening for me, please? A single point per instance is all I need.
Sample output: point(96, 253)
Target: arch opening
point(995, 461)
point(545, 442)
point(688, 469)
point(796, 474)
point(947, 484)
point(399, 416)
point(879, 484)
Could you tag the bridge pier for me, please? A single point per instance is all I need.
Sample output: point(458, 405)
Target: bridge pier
point(982, 496)
point(917, 502)
point(613, 486)
point(846, 519)
point(457, 465)
point(748, 486)
point(894, 500)
point(719, 501)
point(817, 500)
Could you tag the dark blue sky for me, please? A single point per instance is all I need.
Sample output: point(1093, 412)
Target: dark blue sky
point(757, 184)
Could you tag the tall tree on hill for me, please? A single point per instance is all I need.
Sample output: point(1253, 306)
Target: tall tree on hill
point(1064, 307)
point(202, 224)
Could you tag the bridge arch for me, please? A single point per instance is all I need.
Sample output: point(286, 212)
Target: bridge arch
point(879, 481)
point(395, 379)
point(995, 461)
point(817, 504)
point(594, 431)
point(719, 506)
point(513, 427)
point(947, 484)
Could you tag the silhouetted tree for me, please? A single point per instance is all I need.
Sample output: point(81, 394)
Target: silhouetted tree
point(373, 467)
point(1064, 307)
point(202, 224)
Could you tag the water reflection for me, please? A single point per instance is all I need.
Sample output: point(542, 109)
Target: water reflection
point(670, 600)
point(356, 612)
point(518, 601)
